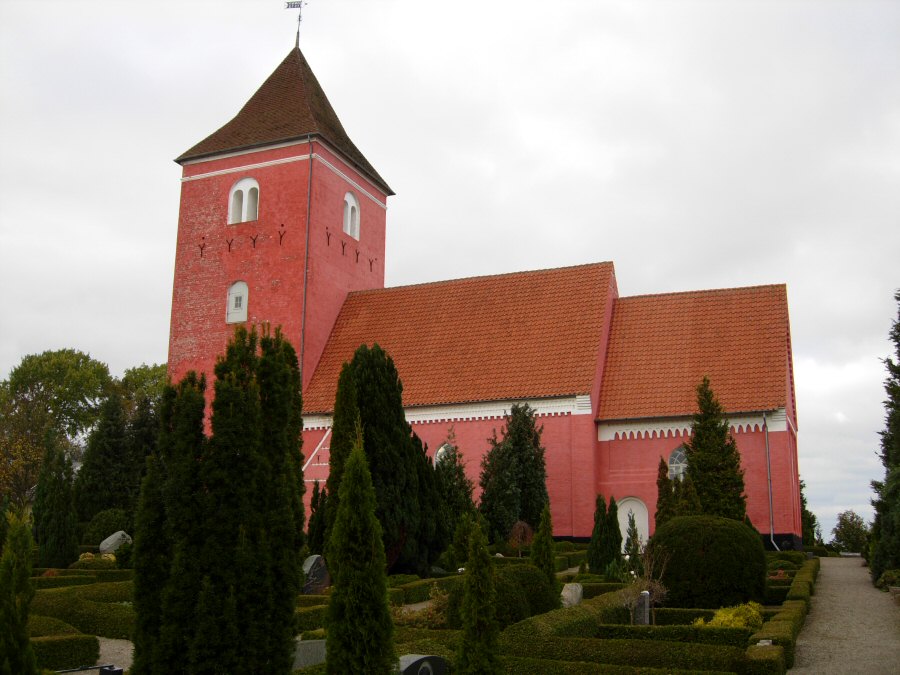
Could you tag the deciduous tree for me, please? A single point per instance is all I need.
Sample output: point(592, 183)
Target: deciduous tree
point(850, 532)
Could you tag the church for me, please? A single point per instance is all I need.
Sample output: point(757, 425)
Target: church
point(283, 220)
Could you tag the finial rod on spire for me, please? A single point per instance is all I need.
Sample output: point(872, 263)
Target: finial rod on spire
point(296, 4)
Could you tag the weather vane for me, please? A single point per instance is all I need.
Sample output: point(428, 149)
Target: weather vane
point(296, 4)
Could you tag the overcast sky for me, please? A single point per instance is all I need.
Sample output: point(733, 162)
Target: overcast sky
point(695, 144)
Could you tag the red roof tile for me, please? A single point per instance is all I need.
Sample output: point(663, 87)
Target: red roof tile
point(512, 336)
point(288, 106)
point(661, 346)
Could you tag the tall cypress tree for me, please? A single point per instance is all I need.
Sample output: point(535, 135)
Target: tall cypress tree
point(454, 487)
point(687, 502)
point(317, 506)
point(595, 552)
point(141, 436)
point(16, 592)
point(514, 474)
point(885, 546)
point(102, 482)
point(612, 546)
point(714, 463)
point(54, 510)
point(389, 449)
point(477, 652)
point(343, 435)
point(433, 533)
point(359, 636)
point(665, 498)
point(543, 555)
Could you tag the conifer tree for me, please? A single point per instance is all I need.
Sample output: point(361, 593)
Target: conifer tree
point(359, 636)
point(54, 510)
point(477, 653)
point(454, 487)
point(633, 547)
point(543, 554)
point(612, 546)
point(343, 435)
point(595, 552)
point(391, 454)
point(317, 506)
point(714, 463)
point(514, 475)
point(141, 436)
point(665, 498)
point(102, 482)
point(433, 533)
point(459, 547)
point(687, 502)
point(885, 536)
point(16, 592)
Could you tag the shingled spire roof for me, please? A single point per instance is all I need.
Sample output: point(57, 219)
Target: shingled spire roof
point(290, 105)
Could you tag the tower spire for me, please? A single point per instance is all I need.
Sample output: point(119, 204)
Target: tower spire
point(298, 5)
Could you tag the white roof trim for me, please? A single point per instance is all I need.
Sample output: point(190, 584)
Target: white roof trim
point(579, 404)
point(676, 427)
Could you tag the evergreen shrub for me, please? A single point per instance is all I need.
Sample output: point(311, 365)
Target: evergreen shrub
point(592, 590)
point(540, 595)
point(56, 652)
point(765, 660)
point(720, 635)
point(712, 562)
point(775, 594)
point(104, 524)
point(40, 626)
point(888, 578)
point(311, 600)
point(798, 558)
point(309, 618)
point(96, 609)
point(522, 591)
point(60, 581)
point(676, 616)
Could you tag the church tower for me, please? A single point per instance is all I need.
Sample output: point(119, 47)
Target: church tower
point(280, 217)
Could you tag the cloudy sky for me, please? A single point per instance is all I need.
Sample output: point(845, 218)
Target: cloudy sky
point(696, 144)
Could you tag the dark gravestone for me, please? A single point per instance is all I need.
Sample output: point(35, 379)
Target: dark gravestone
point(420, 664)
point(642, 611)
point(316, 574)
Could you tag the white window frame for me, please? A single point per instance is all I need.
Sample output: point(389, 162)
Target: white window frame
point(677, 463)
point(237, 302)
point(243, 201)
point(351, 215)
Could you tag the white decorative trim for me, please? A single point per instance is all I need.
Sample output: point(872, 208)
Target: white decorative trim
point(485, 410)
point(247, 151)
point(284, 160)
point(318, 447)
point(680, 427)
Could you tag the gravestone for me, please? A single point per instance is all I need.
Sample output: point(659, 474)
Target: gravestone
point(572, 594)
point(112, 543)
point(420, 664)
point(642, 610)
point(316, 575)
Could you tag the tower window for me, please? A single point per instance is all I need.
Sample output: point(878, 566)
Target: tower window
point(236, 309)
point(351, 215)
point(243, 202)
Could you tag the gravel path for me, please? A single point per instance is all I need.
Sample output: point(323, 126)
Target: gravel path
point(115, 652)
point(852, 627)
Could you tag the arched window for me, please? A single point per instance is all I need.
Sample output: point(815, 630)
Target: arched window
point(637, 508)
point(677, 463)
point(441, 453)
point(238, 299)
point(243, 202)
point(351, 215)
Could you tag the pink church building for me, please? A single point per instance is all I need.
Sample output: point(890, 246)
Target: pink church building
point(283, 220)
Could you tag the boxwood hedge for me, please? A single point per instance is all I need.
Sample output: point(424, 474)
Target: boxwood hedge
point(708, 635)
point(56, 652)
point(96, 609)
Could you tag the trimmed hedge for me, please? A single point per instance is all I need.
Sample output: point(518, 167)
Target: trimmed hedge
point(540, 594)
point(592, 590)
point(765, 660)
point(60, 582)
point(707, 635)
point(420, 591)
point(518, 665)
point(56, 652)
point(95, 609)
point(795, 557)
point(775, 595)
point(41, 626)
point(674, 616)
point(311, 600)
point(309, 618)
point(395, 596)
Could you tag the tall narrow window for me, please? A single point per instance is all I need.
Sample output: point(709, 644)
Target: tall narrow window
point(236, 309)
point(243, 202)
point(351, 215)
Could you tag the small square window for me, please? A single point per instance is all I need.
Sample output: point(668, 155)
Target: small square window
point(238, 301)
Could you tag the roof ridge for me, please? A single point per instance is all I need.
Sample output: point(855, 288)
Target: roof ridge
point(706, 291)
point(479, 277)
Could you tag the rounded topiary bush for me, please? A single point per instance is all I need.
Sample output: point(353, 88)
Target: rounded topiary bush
point(541, 595)
point(712, 562)
point(104, 524)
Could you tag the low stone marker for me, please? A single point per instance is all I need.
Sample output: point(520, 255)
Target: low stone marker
point(316, 574)
point(642, 609)
point(572, 594)
point(112, 543)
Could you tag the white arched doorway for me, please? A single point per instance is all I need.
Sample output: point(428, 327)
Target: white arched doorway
point(641, 518)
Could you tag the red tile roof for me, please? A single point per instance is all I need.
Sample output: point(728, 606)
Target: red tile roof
point(288, 106)
point(506, 337)
point(661, 346)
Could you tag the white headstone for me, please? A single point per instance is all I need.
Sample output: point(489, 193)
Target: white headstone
point(572, 594)
point(112, 543)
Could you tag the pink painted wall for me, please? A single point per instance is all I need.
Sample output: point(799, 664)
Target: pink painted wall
point(273, 265)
